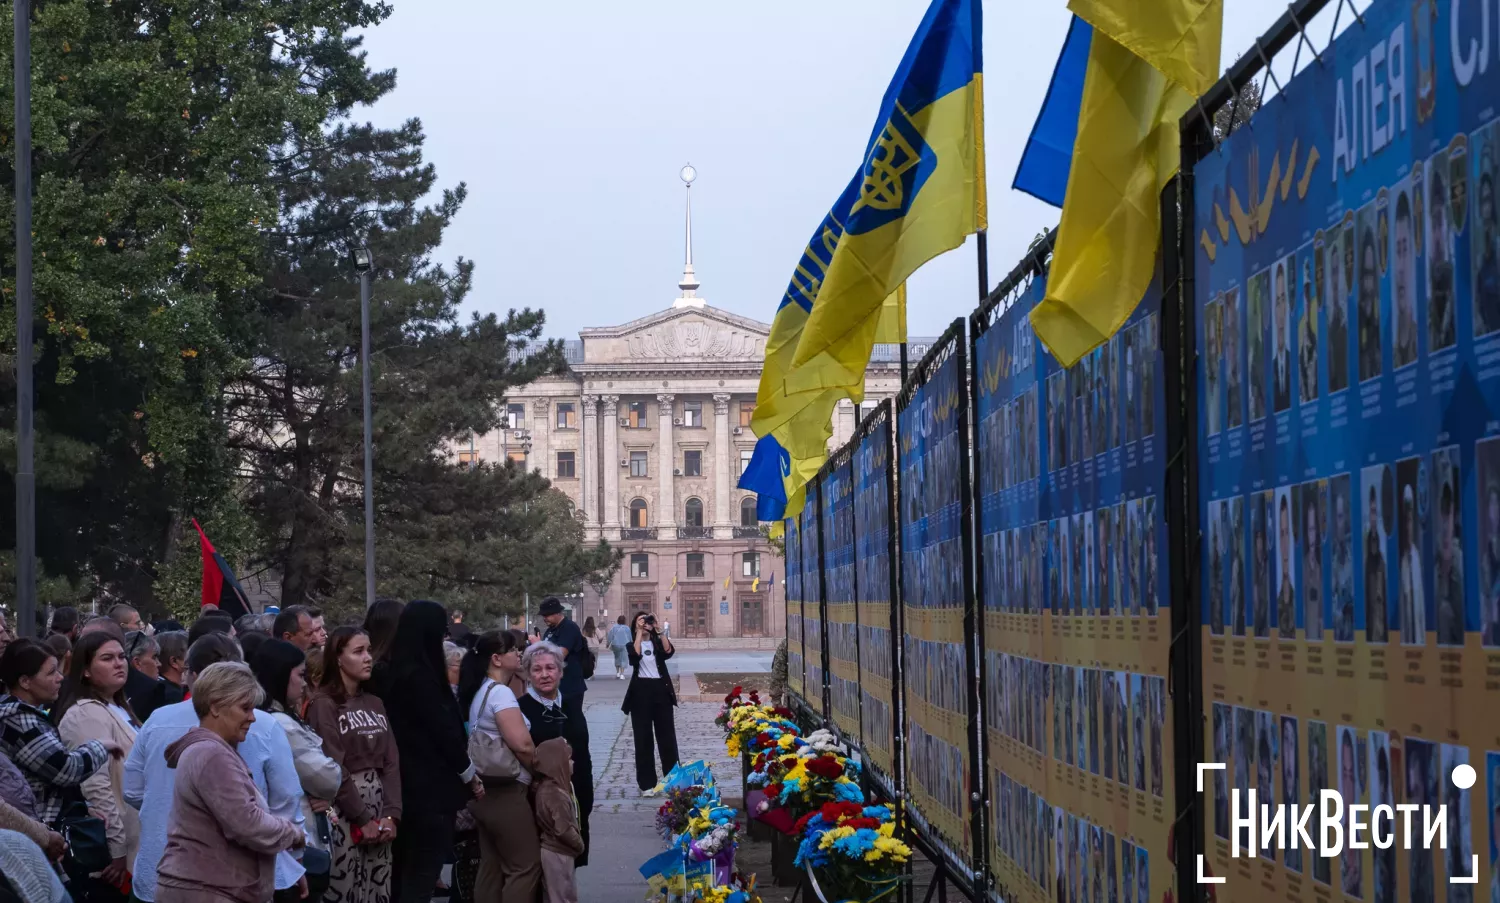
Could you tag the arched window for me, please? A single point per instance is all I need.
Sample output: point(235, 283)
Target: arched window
point(747, 512)
point(638, 513)
point(693, 513)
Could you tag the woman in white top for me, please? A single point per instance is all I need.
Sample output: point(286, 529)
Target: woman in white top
point(649, 700)
point(92, 706)
point(510, 864)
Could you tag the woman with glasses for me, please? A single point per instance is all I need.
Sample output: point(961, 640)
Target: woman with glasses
point(542, 705)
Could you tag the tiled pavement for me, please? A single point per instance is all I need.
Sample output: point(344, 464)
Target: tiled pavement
point(623, 823)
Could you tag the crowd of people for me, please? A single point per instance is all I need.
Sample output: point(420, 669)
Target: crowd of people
point(269, 757)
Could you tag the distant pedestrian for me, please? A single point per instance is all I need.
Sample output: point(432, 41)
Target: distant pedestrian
point(649, 701)
point(619, 641)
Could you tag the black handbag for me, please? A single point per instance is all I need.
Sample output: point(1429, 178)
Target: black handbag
point(88, 843)
point(318, 863)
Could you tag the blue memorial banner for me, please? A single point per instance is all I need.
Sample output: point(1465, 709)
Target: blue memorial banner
point(812, 605)
point(931, 460)
point(836, 497)
point(796, 676)
point(872, 470)
point(1347, 301)
point(1070, 471)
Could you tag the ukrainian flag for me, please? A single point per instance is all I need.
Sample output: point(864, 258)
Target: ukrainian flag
point(918, 193)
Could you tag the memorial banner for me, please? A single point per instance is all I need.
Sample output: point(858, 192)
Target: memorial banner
point(813, 650)
point(938, 610)
point(877, 617)
point(1347, 300)
point(1070, 472)
point(796, 678)
point(836, 496)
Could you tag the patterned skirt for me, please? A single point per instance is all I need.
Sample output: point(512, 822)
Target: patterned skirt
point(360, 874)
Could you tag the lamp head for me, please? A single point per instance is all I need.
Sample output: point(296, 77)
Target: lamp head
point(363, 260)
point(688, 174)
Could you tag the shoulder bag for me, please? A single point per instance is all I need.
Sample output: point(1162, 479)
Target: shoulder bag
point(491, 757)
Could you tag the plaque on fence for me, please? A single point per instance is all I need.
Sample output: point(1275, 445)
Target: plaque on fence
point(874, 513)
point(836, 495)
point(795, 669)
point(1347, 304)
point(1072, 569)
point(941, 746)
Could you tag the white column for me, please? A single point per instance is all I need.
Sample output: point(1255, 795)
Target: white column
point(723, 516)
point(610, 454)
point(666, 507)
point(588, 476)
point(541, 409)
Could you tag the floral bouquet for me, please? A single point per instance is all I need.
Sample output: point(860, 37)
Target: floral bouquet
point(677, 809)
point(852, 850)
point(737, 889)
point(818, 770)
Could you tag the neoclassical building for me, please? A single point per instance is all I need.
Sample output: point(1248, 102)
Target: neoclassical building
point(648, 433)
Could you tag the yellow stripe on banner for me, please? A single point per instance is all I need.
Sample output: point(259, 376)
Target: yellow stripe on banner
point(892, 328)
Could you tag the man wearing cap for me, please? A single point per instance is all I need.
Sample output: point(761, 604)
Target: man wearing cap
point(563, 633)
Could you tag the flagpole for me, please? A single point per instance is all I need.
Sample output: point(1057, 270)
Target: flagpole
point(983, 247)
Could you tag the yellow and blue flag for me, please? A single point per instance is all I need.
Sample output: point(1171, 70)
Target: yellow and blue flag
point(1048, 155)
point(919, 192)
point(1148, 60)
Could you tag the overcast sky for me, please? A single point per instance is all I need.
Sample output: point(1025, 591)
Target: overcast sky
point(570, 122)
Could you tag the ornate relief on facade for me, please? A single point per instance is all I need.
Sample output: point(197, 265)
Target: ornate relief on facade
point(695, 339)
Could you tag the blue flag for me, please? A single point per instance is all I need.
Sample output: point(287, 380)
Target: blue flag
point(1043, 170)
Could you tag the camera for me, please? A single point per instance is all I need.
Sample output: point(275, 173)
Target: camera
point(650, 620)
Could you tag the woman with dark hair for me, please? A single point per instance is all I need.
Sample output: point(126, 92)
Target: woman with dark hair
point(509, 850)
point(649, 700)
point(92, 706)
point(436, 774)
point(357, 735)
point(281, 669)
point(380, 626)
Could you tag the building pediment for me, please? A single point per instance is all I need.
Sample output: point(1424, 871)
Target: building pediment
point(679, 335)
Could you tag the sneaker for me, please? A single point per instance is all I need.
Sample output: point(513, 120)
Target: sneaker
point(650, 793)
point(620, 676)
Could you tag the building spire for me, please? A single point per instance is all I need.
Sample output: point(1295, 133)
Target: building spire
point(689, 282)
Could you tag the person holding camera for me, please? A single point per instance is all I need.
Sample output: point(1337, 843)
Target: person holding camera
point(649, 700)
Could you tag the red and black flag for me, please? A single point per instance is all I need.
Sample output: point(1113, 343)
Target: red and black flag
point(219, 586)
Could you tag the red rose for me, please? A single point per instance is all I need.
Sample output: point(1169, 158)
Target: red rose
point(862, 822)
point(802, 822)
point(736, 691)
point(832, 812)
point(773, 791)
point(826, 767)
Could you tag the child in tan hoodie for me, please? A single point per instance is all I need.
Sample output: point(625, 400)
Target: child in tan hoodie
point(556, 818)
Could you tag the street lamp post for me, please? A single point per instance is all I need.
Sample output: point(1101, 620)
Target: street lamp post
point(25, 454)
point(363, 264)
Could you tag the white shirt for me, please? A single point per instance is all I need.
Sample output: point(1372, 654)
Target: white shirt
point(123, 715)
point(483, 709)
point(648, 661)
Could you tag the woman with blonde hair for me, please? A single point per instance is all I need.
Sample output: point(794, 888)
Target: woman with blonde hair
point(221, 840)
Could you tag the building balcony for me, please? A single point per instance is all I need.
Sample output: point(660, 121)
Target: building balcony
point(695, 532)
point(638, 533)
point(747, 533)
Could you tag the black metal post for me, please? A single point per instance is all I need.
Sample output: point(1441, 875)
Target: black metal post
point(25, 438)
point(983, 247)
point(369, 487)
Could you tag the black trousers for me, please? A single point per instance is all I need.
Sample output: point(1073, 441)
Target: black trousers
point(651, 711)
point(423, 841)
point(583, 769)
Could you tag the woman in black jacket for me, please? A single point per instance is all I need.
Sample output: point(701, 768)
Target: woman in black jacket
point(649, 700)
point(434, 751)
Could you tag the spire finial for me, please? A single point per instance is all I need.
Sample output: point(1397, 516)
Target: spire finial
point(689, 282)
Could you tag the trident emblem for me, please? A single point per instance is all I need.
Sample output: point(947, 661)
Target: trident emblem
point(889, 161)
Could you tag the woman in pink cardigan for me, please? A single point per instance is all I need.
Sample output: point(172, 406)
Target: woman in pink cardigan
point(221, 841)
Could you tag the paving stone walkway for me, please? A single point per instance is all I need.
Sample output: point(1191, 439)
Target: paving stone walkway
point(623, 823)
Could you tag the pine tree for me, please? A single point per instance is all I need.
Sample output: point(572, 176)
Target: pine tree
point(481, 536)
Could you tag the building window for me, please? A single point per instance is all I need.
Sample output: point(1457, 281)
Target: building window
point(745, 454)
point(638, 464)
point(515, 416)
point(747, 512)
point(468, 456)
point(638, 513)
point(747, 410)
point(565, 466)
point(517, 458)
point(640, 566)
point(695, 565)
point(567, 415)
point(692, 413)
point(749, 564)
point(636, 419)
point(692, 463)
point(693, 513)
